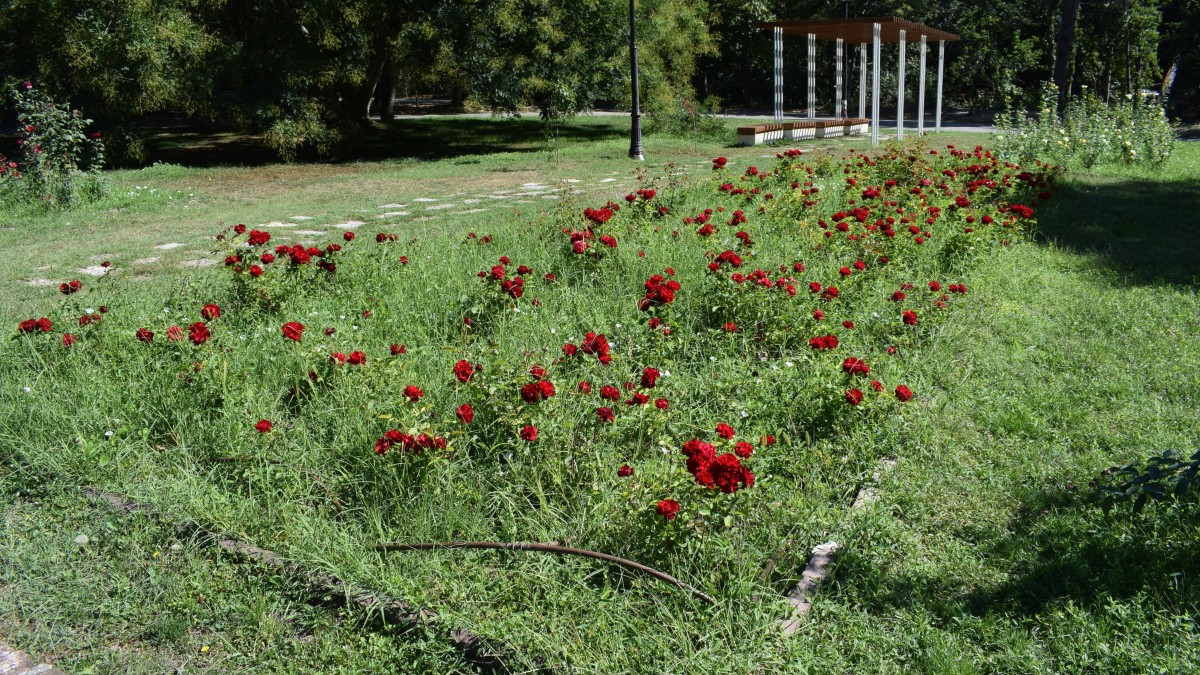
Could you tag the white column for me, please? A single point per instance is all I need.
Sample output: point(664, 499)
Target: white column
point(921, 92)
point(837, 99)
point(900, 89)
point(941, 63)
point(778, 74)
point(875, 44)
point(862, 80)
point(812, 76)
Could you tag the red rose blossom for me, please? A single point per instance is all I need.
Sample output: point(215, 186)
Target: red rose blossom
point(625, 471)
point(854, 396)
point(198, 333)
point(263, 426)
point(465, 413)
point(293, 330)
point(210, 312)
point(529, 433)
point(668, 508)
point(464, 371)
point(903, 394)
point(413, 393)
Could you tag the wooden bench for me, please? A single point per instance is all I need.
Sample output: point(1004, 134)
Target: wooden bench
point(802, 130)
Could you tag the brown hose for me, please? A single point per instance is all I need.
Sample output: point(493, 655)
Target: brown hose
point(548, 548)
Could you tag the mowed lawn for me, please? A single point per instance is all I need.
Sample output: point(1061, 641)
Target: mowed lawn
point(987, 549)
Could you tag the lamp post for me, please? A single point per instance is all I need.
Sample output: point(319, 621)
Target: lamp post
point(635, 132)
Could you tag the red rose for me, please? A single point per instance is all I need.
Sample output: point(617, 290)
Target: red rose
point(610, 392)
point(606, 415)
point(728, 474)
point(650, 377)
point(69, 339)
point(464, 371)
point(625, 471)
point(256, 271)
point(357, 358)
point(725, 431)
point(910, 317)
point(263, 426)
point(198, 333)
point(853, 366)
point(239, 228)
point(935, 286)
point(210, 312)
point(174, 333)
point(529, 433)
point(668, 508)
point(258, 238)
point(465, 413)
point(903, 394)
point(743, 449)
point(398, 349)
point(767, 440)
point(569, 349)
point(293, 330)
point(730, 327)
point(413, 393)
point(144, 335)
point(854, 396)
point(661, 403)
point(585, 387)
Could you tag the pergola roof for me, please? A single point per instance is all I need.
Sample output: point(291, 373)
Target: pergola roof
point(859, 29)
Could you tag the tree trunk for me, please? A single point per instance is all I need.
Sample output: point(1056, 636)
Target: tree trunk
point(1065, 48)
point(458, 95)
point(385, 94)
point(381, 55)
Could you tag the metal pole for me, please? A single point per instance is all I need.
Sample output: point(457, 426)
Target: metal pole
point(812, 76)
point(900, 89)
point(941, 63)
point(635, 131)
point(875, 44)
point(921, 92)
point(778, 34)
point(837, 103)
point(862, 80)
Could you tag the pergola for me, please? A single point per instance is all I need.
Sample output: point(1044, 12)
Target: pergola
point(875, 30)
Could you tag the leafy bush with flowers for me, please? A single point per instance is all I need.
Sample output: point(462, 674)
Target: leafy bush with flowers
point(1133, 129)
point(661, 402)
point(60, 159)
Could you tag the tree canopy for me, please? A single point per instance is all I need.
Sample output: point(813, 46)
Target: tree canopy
point(306, 72)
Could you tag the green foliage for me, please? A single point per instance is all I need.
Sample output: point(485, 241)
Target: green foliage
point(1165, 477)
point(1133, 130)
point(60, 159)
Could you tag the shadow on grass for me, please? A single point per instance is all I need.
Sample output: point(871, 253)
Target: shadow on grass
point(1147, 230)
point(198, 145)
point(1058, 548)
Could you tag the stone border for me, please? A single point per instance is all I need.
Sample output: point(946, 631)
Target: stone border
point(823, 556)
point(13, 662)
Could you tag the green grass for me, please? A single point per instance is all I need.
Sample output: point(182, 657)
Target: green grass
point(986, 552)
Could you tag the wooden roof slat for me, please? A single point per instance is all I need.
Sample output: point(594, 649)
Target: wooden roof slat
point(859, 29)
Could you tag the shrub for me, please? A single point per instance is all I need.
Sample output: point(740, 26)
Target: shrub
point(687, 118)
point(60, 160)
point(1165, 477)
point(1133, 130)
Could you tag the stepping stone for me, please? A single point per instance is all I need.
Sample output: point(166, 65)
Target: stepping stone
point(300, 217)
point(438, 207)
point(202, 262)
point(608, 180)
point(393, 206)
point(276, 223)
point(463, 213)
point(810, 580)
point(424, 199)
point(168, 247)
point(389, 214)
point(94, 270)
point(570, 180)
point(349, 224)
point(534, 186)
point(146, 261)
point(471, 201)
point(314, 233)
point(41, 282)
point(499, 196)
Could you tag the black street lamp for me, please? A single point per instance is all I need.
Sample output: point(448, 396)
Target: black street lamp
point(635, 132)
